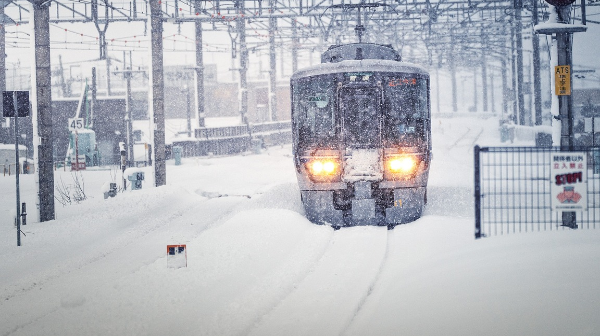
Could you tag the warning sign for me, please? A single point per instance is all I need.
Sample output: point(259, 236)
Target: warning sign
point(176, 256)
point(569, 181)
point(562, 80)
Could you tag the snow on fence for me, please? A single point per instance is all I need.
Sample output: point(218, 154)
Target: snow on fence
point(233, 139)
point(26, 167)
point(513, 190)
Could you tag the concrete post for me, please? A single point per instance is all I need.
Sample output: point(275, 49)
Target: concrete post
point(294, 45)
point(2, 58)
point(475, 87)
point(42, 108)
point(493, 102)
point(243, 87)
point(560, 13)
point(565, 103)
point(272, 63)
point(505, 92)
point(524, 117)
point(157, 92)
point(94, 94)
point(200, 113)
point(513, 65)
point(128, 118)
point(537, 80)
point(484, 75)
point(453, 72)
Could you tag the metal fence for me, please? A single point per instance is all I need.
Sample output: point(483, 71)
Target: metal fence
point(234, 139)
point(513, 191)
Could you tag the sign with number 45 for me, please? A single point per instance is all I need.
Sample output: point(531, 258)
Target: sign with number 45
point(75, 124)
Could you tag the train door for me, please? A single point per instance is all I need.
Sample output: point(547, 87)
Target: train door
point(360, 111)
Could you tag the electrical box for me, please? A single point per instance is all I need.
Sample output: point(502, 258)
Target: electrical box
point(177, 150)
point(136, 180)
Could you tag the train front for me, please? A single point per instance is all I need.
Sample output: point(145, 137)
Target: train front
point(362, 137)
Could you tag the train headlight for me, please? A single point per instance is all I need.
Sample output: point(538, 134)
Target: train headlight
point(406, 164)
point(401, 166)
point(323, 169)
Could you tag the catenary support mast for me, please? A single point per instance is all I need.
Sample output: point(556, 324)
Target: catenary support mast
point(42, 109)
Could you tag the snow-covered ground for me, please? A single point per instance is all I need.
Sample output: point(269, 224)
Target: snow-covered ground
point(256, 266)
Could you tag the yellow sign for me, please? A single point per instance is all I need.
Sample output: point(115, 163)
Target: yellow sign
point(562, 80)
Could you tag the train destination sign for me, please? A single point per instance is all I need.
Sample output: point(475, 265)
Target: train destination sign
point(562, 80)
point(402, 81)
point(568, 181)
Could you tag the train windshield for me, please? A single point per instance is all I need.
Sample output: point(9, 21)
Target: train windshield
point(314, 111)
point(360, 116)
point(406, 111)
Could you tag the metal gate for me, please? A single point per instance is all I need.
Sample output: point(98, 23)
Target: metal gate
point(513, 190)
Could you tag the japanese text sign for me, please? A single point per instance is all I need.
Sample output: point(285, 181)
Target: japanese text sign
point(562, 80)
point(568, 181)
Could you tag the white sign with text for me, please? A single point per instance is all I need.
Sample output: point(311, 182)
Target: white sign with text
point(569, 181)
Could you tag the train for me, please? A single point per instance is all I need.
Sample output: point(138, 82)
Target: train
point(361, 131)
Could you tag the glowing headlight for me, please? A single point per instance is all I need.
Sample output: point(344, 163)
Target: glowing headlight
point(317, 167)
point(404, 164)
point(329, 167)
point(323, 167)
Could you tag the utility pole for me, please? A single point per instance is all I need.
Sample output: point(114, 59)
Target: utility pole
point(241, 30)
point(484, 74)
point(537, 80)
point(524, 117)
point(294, 45)
point(18, 167)
point(94, 89)
point(272, 63)
point(108, 76)
point(42, 108)
point(475, 101)
point(63, 84)
point(2, 54)
point(199, 71)
point(188, 112)
point(128, 75)
point(157, 95)
point(561, 12)
point(563, 122)
point(492, 97)
point(453, 71)
point(513, 66)
point(504, 86)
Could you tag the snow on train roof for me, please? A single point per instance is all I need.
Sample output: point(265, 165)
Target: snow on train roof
point(375, 65)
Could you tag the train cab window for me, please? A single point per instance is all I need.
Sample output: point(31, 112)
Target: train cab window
point(313, 111)
point(359, 108)
point(406, 111)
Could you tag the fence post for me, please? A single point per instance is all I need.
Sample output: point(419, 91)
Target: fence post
point(476, 151)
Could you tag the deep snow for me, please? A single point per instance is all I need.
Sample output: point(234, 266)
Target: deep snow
point(256, 266)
